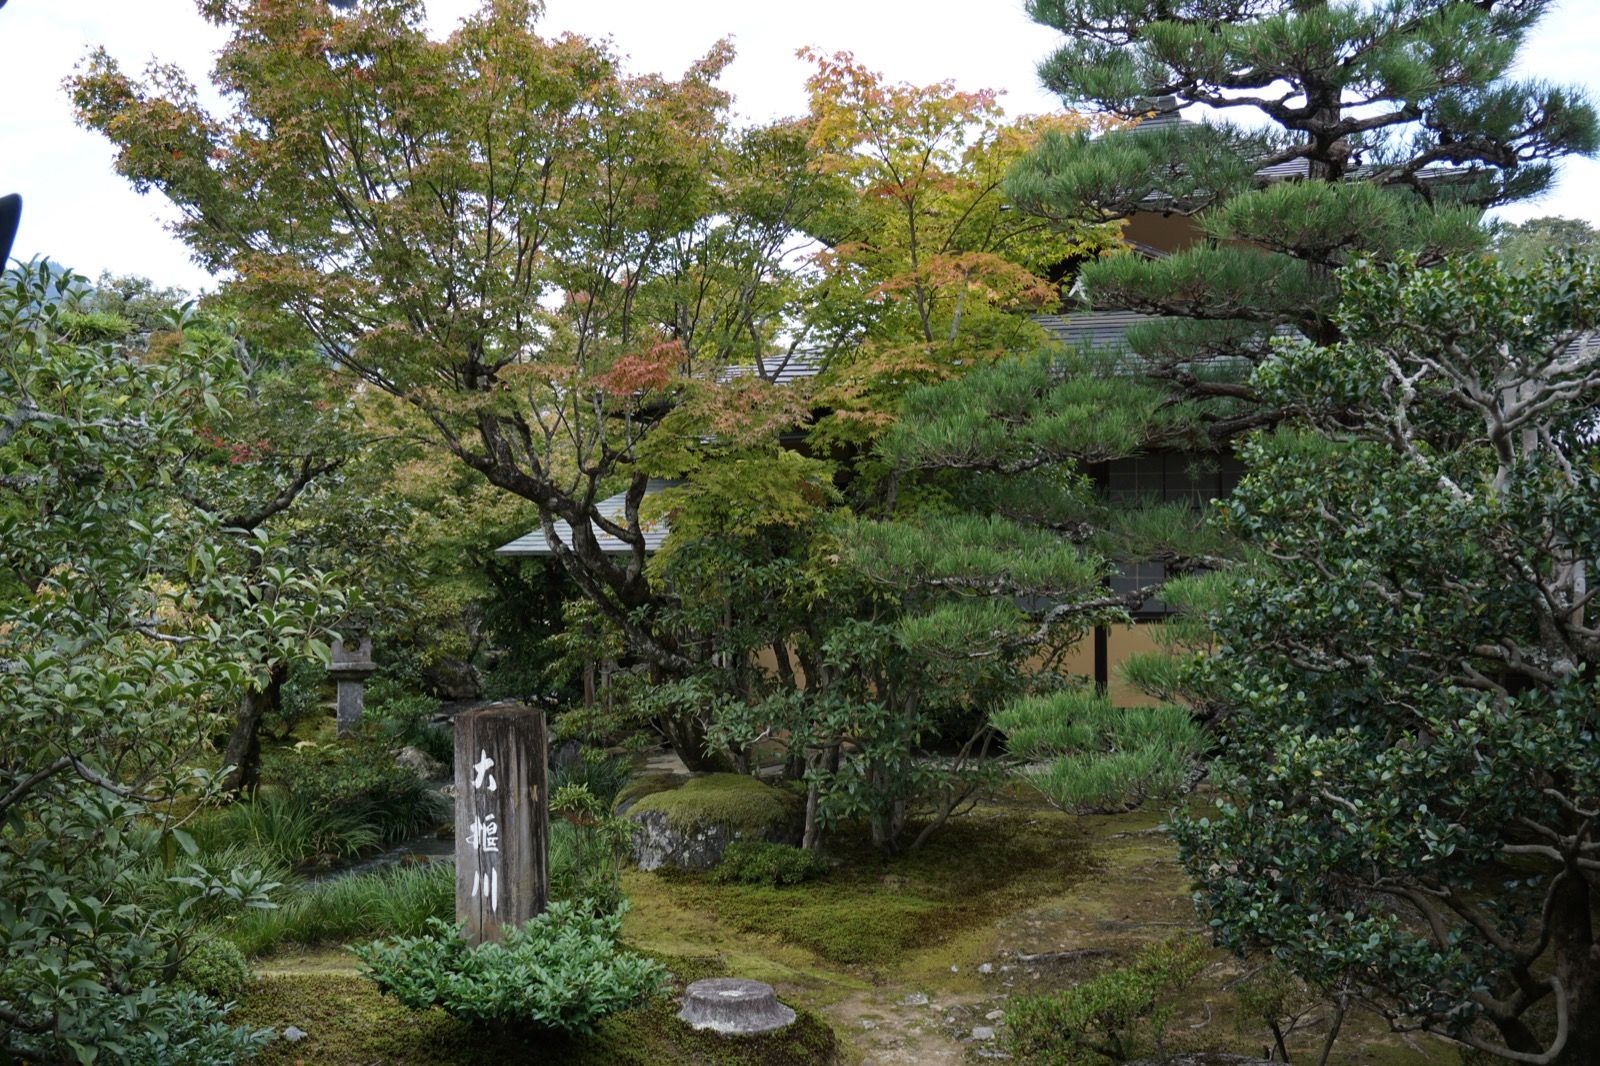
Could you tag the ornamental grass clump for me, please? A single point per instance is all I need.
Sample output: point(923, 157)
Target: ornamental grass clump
point(560, 971)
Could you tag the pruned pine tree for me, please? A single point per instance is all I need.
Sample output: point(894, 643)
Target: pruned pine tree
point(1331, 130)
point(1008, 551)
point(1337, 128)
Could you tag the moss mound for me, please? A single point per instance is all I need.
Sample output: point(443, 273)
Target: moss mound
point(348, 1022)
point(733, 801)
point(645, 785)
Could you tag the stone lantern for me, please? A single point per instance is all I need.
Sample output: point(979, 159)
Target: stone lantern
point(351, 667)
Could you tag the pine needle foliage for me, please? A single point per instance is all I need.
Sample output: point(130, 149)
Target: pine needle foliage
point(1335, 130)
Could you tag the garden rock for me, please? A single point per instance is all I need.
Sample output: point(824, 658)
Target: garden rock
point(453, 679)
point(690, 826)
point(294, 1035)
point(734, 1006)
point(421, 762)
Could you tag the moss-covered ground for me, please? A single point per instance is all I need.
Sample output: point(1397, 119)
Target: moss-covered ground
point(903, 959)
point(346, 1021)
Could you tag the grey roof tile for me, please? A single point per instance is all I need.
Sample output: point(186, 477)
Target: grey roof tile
point(655, 533)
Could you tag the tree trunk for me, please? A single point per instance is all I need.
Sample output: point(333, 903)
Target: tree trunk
point(244, 744)
point(687, 735)
point(1578, 966)
point(811, 839)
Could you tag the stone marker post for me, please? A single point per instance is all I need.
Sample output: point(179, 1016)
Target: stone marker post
point(502, 818)
point(351, 667)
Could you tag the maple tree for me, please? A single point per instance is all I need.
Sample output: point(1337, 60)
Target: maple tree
point(539, 253)
point(926, 268)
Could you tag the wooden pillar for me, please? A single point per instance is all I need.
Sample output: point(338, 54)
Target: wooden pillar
point(502, 818)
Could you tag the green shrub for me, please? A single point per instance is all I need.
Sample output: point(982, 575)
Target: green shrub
point(733, 801)
point(1112, 1018)
point(173, 1027)
point(560, 971)
point(215, 967)
point(398, 901)
point(359, 778)
point(406, 718)
point(288, 830)
point(603, 774)
point(757, 862)
point(299, 699)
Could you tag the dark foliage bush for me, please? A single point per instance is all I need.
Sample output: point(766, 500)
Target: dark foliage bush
point(406, 718)
point(359, 778)
point(603, 774)
point(561, 971)
point(299, 700)
point(588, 846)
point(756, 862)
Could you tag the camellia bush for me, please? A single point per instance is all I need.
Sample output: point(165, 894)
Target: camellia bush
point(126, 635)
point(1409, 770)
point(561, 970)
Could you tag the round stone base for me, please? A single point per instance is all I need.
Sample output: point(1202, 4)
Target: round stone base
point(734, 1006)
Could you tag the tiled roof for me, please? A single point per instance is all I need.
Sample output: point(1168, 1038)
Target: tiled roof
point(613, 507)
point(779, 371)
point(1102, 331)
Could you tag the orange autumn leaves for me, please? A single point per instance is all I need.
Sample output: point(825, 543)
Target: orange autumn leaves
point(640, 372)
point(926, 163)
point(929, 246)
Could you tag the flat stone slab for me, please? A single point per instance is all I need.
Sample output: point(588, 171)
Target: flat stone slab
point(734, 1006)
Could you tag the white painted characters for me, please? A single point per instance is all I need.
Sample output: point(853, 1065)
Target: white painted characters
point(484, 833)
point(489, 882)
point(480, 771)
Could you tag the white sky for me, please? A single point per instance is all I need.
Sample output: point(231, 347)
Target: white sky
point(81, 213)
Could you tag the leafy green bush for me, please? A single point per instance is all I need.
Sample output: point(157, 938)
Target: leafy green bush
point(215, 968)
point(172, 1027)
point(359, 778)
point(586, 865)
point(562, 970)
point(404, 716)
point(299, 699)
point(398, 901)
point(1111, 1018)
point(756, 862)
